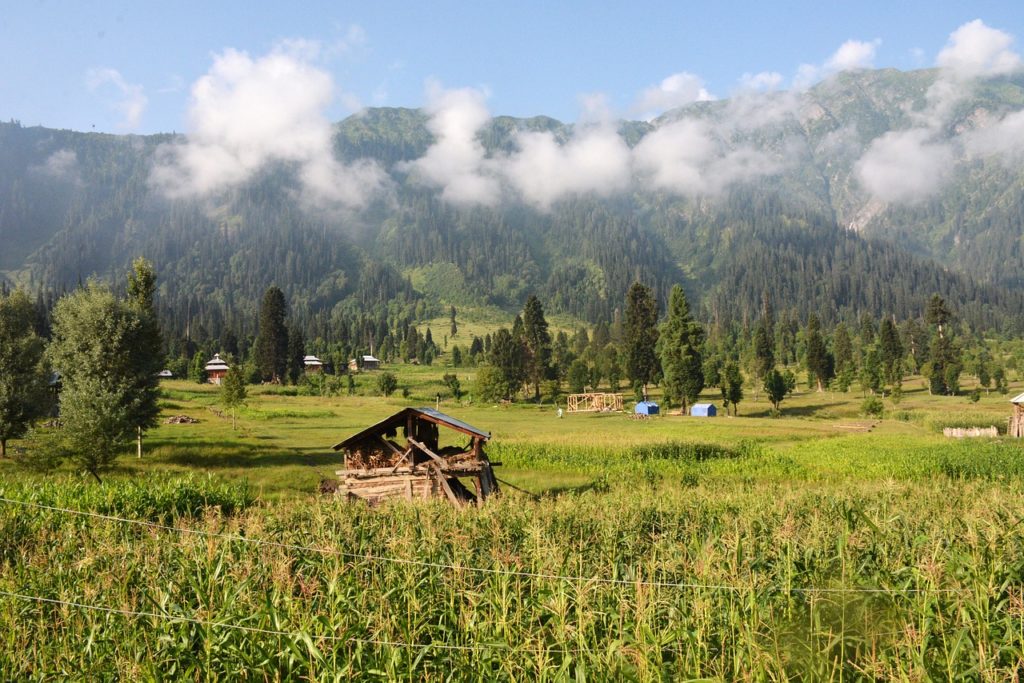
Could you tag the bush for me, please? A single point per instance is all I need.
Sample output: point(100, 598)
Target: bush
point(387, 383)
point(872, 407)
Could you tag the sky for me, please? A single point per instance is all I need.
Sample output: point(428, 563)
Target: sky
point(134, 66)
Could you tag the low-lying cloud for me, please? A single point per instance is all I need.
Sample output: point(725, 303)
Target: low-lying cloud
point(915, 164)
point(247, 113)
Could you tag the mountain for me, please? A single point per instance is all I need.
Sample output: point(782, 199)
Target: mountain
point(800, 226)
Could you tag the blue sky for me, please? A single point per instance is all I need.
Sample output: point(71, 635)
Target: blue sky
point(129, 66)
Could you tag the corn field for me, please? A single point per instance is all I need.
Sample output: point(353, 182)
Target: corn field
point(645, 578)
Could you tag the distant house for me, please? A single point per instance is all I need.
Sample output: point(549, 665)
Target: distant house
point(646, 408)
point(703, 410)
point(216, 369)
point(364, 363)
point(165, 374)
point(312, 364)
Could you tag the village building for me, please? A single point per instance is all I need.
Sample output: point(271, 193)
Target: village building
point(1016, 428)
point(165, 374)
point(378, 467)
point(364, 363)
point(216, 369)
point(312, 364)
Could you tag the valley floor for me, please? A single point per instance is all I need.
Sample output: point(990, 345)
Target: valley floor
point(819, 545)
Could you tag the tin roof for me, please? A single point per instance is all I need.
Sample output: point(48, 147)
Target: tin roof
point(1017, 399)
point(216, 363)
point(312, 360)
point(399, 420)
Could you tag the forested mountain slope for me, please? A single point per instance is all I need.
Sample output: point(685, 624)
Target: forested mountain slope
point(807, 231)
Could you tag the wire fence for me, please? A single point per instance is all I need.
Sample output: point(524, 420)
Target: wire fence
point(681, 585)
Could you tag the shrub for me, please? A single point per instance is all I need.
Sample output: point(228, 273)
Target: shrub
point(872, 407)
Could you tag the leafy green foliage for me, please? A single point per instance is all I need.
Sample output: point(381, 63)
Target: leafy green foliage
point(24, 373)
point(100, 348)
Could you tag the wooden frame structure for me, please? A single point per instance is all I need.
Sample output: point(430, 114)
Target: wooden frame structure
point(1016, 427)
point(594, 403)
point(377, 468)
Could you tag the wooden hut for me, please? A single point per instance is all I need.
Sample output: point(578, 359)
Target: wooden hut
point(379, 467)
point(1016, 429)
point(312, 364)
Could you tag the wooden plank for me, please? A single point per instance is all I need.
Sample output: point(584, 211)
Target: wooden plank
point(443, 481)
point(432, 454)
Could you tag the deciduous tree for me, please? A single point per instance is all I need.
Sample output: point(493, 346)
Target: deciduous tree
point(24, 373)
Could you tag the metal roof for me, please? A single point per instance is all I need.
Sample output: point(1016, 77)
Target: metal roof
point(311, 360)
point(399, 420)
point(1017, 399)
point(216, 363)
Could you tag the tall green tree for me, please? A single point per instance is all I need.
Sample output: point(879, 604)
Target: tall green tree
point(100, 348)
point(24, 373)
point(508, 357)
point(680, 341)
point(891, 350)
point(272, 339)
point(778, 385)
point(764, 350)
point(732, 387)
point(296, 354)
point(641, 335)
point(817, 358)
point(842, 352)
point(142, 296)
point(538, 344)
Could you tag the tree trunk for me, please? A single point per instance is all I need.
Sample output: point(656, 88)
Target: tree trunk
point(96, 476)
point(138, 442)
point(3, 448)
point(232, 419)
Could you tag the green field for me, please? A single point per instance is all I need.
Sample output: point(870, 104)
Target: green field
point(821, 545)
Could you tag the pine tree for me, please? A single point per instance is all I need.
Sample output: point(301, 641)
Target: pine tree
point(272, 340)
point(680, 341)
point(538, 344)
point(818, 360)
point(641, 335)
point(296, 354)
point(732, 387)
point(842, 350)
point(141, 294)
point(891, 350)
point(508, 358)
point(24, 372)
point(764, 351)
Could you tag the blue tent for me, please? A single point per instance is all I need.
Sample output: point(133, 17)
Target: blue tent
point(703, 410)
point(646, 408)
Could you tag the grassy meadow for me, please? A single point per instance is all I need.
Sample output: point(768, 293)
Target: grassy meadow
point(820, 545)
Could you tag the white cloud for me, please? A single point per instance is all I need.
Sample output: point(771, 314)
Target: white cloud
point(246, 114)
point(130, 100)
point(689, 157)
point(976, 51)
point(1004, 138)
point(853, 54)
point(905, 166)
point(761, 82)
point(595, 160)
point(674, 91)
point(61, 165)
point(456, 162)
